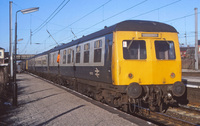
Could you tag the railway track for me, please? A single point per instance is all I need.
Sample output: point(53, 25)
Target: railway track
point(178, 116)
point(173, 117)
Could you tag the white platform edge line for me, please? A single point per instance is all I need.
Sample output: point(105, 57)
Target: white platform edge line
point(192, 86)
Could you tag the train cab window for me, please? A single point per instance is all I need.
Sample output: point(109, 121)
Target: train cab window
point(165, 50)
point(97, 51)
point(78, 54)
point(86, 53)
point(134, 49)
point(69, 56)
point(64, 57)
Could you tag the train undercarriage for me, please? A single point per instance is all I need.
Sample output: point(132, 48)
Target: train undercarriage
point(126, 98)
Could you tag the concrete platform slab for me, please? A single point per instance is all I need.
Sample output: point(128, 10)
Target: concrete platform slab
point(41, 103)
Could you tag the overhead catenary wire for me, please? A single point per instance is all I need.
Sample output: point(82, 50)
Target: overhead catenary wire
point(111, 17)
point(84, 16)
point(49, 16)
point(58, 9)
point(156, 9)
point(134, 16)
point(181, 17)
point(52, 37)
point(81, 18)
point(114, 16)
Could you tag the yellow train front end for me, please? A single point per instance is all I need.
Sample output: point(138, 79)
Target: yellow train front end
point(150, 64)
point(144, 63)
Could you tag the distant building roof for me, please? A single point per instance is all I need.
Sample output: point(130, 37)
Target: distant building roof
point(2, 48)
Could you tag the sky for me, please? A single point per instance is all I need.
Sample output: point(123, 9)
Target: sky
point(67, 20)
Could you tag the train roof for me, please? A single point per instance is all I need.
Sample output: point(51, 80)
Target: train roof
point(129, 25)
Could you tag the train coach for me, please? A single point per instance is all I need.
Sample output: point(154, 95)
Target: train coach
point(132, 63)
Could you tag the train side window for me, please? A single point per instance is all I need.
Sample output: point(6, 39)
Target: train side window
point(69, 56)
point(97, 51)
point(134, 49)
point(78, 54)
point(165, 50)
point(44, 62)
point(86, 53)
point(64, 57)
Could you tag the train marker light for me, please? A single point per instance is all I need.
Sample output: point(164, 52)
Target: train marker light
point(130, 75)
point(172, 75)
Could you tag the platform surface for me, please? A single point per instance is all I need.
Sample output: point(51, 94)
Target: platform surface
point(191, 78)
point(41, 103)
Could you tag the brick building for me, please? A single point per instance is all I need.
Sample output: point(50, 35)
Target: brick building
point(187, 52)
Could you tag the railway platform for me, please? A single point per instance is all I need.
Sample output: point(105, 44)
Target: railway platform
point(191, 78)
point(42, 103)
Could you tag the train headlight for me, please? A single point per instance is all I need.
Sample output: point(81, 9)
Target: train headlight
point(130, 75)
point(172, 75)
point(178, 89)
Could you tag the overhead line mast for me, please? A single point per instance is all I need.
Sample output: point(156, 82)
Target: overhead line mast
point(196, 40)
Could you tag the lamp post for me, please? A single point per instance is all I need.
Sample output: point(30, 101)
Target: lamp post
point(25, 11)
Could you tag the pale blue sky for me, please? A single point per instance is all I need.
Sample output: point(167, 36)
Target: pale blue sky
point(86, 16)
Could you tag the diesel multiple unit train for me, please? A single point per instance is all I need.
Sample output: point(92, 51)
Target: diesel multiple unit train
point(132, 63)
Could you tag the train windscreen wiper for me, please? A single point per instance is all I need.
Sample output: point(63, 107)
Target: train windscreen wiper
point(130, 43)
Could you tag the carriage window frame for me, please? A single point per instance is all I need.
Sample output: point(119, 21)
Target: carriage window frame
point(78, 54)
point(49, 60)
point(44, 62)
point(97, 51)
point(130, 47)
point(54, 59)
point(169, 54)
point(69, 57)
point(86, 57)
point(64, 56)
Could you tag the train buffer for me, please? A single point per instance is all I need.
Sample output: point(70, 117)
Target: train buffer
point(42, 103)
